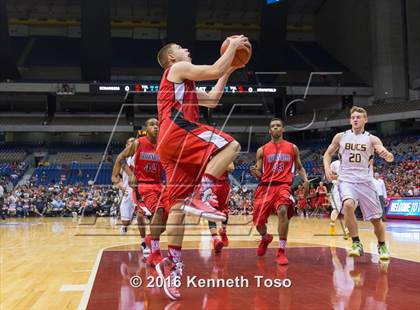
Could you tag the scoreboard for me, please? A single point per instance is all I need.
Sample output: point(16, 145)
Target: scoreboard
point(146, 88)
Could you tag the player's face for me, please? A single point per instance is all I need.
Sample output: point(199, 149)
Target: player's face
point(276, 129)
point(180, 54)
point(321, 184)
point(152, 128)
point(358, 120)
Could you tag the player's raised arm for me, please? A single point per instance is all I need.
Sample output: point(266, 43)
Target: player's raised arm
point(120, 162)
point(380, 149)
point(211, 99)
point(331, 150)
point(185, 70)
point(300, 169)
point(256, 170)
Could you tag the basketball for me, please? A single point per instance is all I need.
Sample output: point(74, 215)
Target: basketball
point(242, 56)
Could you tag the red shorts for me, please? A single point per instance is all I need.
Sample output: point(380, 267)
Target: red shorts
point(302, 204)
point(153, 195)
point(222, 190)
point(313, 202)
point(268, 199)
point(322, 201)
point(185, 148)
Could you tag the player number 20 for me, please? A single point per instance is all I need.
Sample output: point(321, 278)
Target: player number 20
point(355, 158)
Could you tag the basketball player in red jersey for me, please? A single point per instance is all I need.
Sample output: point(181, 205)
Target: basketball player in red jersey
point(274, 167)
point(302, 203)
point(186, 146)
point(321, 190)
point(149, 195)
point(312, 196)
point(221, 190)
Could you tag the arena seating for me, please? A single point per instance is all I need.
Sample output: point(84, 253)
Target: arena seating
point(78, 157)
point(72, 174)
point(131, 53)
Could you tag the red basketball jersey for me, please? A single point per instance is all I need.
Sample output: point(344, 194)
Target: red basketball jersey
point(147, 165)
point(278, 162)
point(312, 192)
point(321, 191)
point(301, 195)
point(173, 98)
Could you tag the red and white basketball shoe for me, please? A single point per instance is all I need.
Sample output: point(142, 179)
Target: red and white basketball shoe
point(203, 204)
point(171, 274)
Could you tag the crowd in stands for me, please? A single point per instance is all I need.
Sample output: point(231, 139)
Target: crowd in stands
point(13, 171)
point(241, 200)
point(56, 200)
point(403, 179)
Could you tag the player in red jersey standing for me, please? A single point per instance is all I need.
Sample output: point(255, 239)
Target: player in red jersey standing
point(185, 146)
point(302, 203)
point(321, 190)
point(149, 192)
point(221, 190)
point(275, 164)
point(312, 197)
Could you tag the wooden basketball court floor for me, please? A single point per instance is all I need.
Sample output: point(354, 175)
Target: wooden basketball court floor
point(68, 263)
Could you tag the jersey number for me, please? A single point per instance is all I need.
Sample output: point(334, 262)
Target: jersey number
point(355, 158)
point(278, 167)
point(151, 168)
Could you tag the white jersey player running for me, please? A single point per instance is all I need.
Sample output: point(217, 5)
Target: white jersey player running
point(127, 206)
point(356, 149)
point(335, 200)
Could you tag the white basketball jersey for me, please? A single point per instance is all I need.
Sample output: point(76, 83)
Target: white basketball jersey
point(130, 163)
point(356, 153)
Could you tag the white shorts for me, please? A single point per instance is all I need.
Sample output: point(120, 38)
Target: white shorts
point(364, 194)
point(127, 207)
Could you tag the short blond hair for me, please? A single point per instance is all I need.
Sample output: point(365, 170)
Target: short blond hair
point(358, 109)
point(162, 56)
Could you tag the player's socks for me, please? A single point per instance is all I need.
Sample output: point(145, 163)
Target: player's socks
point(282, 243)
point(214, 236)
point(207, 182)
point(281, 258)
point(174, 253)
point(155, 245)
point(155, 257)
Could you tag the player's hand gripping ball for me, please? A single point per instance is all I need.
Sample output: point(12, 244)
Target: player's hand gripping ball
point(242, 55)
